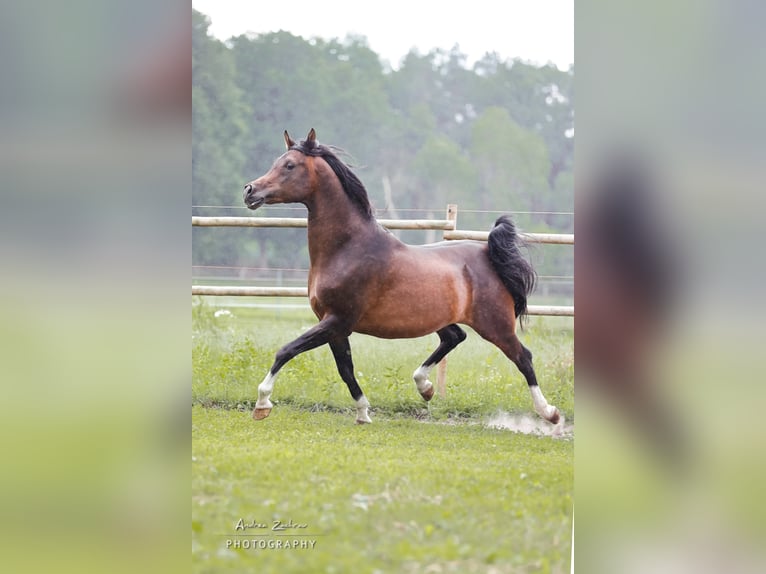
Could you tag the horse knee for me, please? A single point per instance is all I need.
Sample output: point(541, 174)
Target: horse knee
point(283, 356)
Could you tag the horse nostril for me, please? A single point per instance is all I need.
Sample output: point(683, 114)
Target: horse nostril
point(248, 188)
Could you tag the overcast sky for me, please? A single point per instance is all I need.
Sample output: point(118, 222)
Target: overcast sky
point(539, 31)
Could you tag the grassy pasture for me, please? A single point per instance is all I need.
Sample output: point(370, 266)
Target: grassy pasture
point(233, 352)
point(405, 494)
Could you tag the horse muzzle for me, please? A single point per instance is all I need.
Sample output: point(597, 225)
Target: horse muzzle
point(251, 200)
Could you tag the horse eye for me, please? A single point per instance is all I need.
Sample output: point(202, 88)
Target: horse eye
point(289, 165)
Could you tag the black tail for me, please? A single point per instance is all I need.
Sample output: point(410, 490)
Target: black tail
point(516, 273)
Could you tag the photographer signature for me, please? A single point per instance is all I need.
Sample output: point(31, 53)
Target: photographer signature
point(276, 525)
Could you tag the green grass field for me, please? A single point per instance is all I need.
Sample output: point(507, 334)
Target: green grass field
point(428, 487)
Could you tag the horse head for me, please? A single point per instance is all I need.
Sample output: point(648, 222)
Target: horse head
point(290, 178)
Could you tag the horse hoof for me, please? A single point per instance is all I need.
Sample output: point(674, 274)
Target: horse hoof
point(363, 422)
point(260, 414)
point(555, 417)
point(428, 393)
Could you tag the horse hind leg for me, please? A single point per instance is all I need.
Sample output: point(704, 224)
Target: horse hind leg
point(450, 337)
point(522, 357)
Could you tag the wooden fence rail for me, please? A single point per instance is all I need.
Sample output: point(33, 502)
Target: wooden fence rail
point(439, 224)
point(448, 226)
point(240, 291)
point(450, 233)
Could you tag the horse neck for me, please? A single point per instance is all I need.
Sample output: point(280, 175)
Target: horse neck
point(333, 221)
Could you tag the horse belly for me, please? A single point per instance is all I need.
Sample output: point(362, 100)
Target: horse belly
point(399, 327)
point(413, 310)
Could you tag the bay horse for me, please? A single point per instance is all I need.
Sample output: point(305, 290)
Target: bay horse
point(362, 279)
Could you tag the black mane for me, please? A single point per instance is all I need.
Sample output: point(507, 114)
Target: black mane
point(351, 184)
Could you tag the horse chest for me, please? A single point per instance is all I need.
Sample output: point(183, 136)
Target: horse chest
point(339, 292)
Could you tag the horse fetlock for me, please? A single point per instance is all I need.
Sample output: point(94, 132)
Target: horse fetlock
point(551, 414)
point(362, 406)
point(546, 411)
point(421, 381)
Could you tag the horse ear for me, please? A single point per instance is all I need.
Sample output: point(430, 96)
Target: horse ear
point(312, 137)
point(288, 140)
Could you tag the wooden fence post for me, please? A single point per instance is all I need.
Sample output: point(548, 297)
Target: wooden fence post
point(441, 377)
point(441, 368)
point(452, 215)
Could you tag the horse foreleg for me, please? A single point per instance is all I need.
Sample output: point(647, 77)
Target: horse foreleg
point(451, 336)
point(318, 335)
point(341, 350)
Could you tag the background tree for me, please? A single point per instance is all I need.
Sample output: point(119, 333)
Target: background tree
point(219, 131)
point(513, 164)
point(441, 171)
point(497, 136)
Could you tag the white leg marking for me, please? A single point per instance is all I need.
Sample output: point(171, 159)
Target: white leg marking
point(421, 378)
point(361, 410)
point(541, 405)
point(264, 392)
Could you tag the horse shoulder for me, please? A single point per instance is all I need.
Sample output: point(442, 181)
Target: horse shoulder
point(341, 287)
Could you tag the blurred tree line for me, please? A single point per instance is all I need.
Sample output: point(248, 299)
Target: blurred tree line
point(496, 136)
